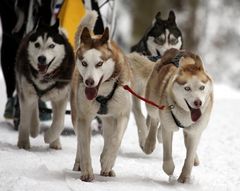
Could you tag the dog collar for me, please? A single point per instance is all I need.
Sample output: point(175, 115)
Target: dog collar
point(103, 110)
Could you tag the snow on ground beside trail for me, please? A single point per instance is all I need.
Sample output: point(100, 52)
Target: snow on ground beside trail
point(44, 169)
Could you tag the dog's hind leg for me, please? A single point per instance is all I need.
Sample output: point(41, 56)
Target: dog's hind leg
point(113, 131)
point(34, 130)
point(26, 111)
point(140, 121)
point(150, 142)
point(53, 133)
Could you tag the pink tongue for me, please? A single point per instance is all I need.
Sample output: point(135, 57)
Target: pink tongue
point(42, 68)
point(195, 114)
point(90, 93)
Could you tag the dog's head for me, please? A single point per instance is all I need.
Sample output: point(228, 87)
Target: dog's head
point(163, 35)
point(46, 48)
point(95, 60)
point(192, 86)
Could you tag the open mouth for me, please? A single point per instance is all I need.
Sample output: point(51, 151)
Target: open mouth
point(195, 113)
point(42, 68)
point(91, 92)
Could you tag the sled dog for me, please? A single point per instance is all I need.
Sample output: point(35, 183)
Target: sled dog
point(44, 67)
point(101, 69)
point(161, 36)
point(180, 83)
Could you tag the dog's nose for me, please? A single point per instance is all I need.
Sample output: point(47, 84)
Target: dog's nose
point(89, 82)
point(198, 103)
point(42, 59)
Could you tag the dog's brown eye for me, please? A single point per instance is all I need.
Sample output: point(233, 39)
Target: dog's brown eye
point(202, 87)
point(99, 64)
point(37, 45)
point(84, 64)
point(187, 88)
point(159, 40)
point(173, 41)
point(51, 46)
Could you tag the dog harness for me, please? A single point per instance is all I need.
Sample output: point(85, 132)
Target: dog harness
point(103, 110)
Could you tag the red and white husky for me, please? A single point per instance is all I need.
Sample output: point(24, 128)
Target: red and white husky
point(101, 69)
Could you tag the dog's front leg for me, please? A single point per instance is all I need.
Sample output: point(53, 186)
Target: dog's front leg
point(113, 131)
point(27, 108)
point(191, 143)
point(83, 156)
point(168, 164)
point(53, 133)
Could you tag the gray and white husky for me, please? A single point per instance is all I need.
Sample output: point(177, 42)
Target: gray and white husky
point(44, 67)
point(161, 36)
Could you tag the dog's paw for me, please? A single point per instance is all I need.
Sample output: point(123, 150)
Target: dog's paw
point(110, 173)
point(55, 145)
point(24, 144)
point(184, 179)
point(168, 167)
point(172, 179)
point(196, 161)
point(87, 177)
point(76, 166)
point(149, 146)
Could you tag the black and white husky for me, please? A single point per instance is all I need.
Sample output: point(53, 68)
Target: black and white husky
point(161, 36)
point(44, 67)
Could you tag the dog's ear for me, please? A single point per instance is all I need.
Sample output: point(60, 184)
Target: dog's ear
point(105, 36)
point(171, 16)
point(199, 63)
point(85, 36)
point(158, 16)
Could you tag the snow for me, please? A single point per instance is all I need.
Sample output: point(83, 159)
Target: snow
point(44, 169)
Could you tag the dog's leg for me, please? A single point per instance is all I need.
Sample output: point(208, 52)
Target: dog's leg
point(53, 133)
point(140, 121)
point(83, 156)
point(150, 142)
point(191, 142)
point(76, 166)
point(196, 159)
point(113, 131)
point(159, 134)
point(26, 111)
point(168, 164)
point(35, 128)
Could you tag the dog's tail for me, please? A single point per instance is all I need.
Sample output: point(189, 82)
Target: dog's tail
point(88, 21)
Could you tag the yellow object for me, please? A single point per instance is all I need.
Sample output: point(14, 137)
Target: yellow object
point(70, 16)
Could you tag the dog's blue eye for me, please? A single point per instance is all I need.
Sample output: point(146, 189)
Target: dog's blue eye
point(99, 64)
point(84, 64)
point(187, 88)
point(37, 45)
point(51, 46)
point(202, 87)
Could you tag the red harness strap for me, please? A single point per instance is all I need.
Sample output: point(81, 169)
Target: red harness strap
point(126, 87)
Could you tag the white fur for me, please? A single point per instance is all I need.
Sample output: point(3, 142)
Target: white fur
point(92, 57)
point(152, 46)
point(58, 52)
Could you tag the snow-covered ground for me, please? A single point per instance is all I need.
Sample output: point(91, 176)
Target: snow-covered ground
point(44, 169)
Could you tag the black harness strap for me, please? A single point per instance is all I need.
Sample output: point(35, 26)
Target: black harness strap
point(178, 123)
point(40, 92)
point(175, 60)
point(104, 100)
